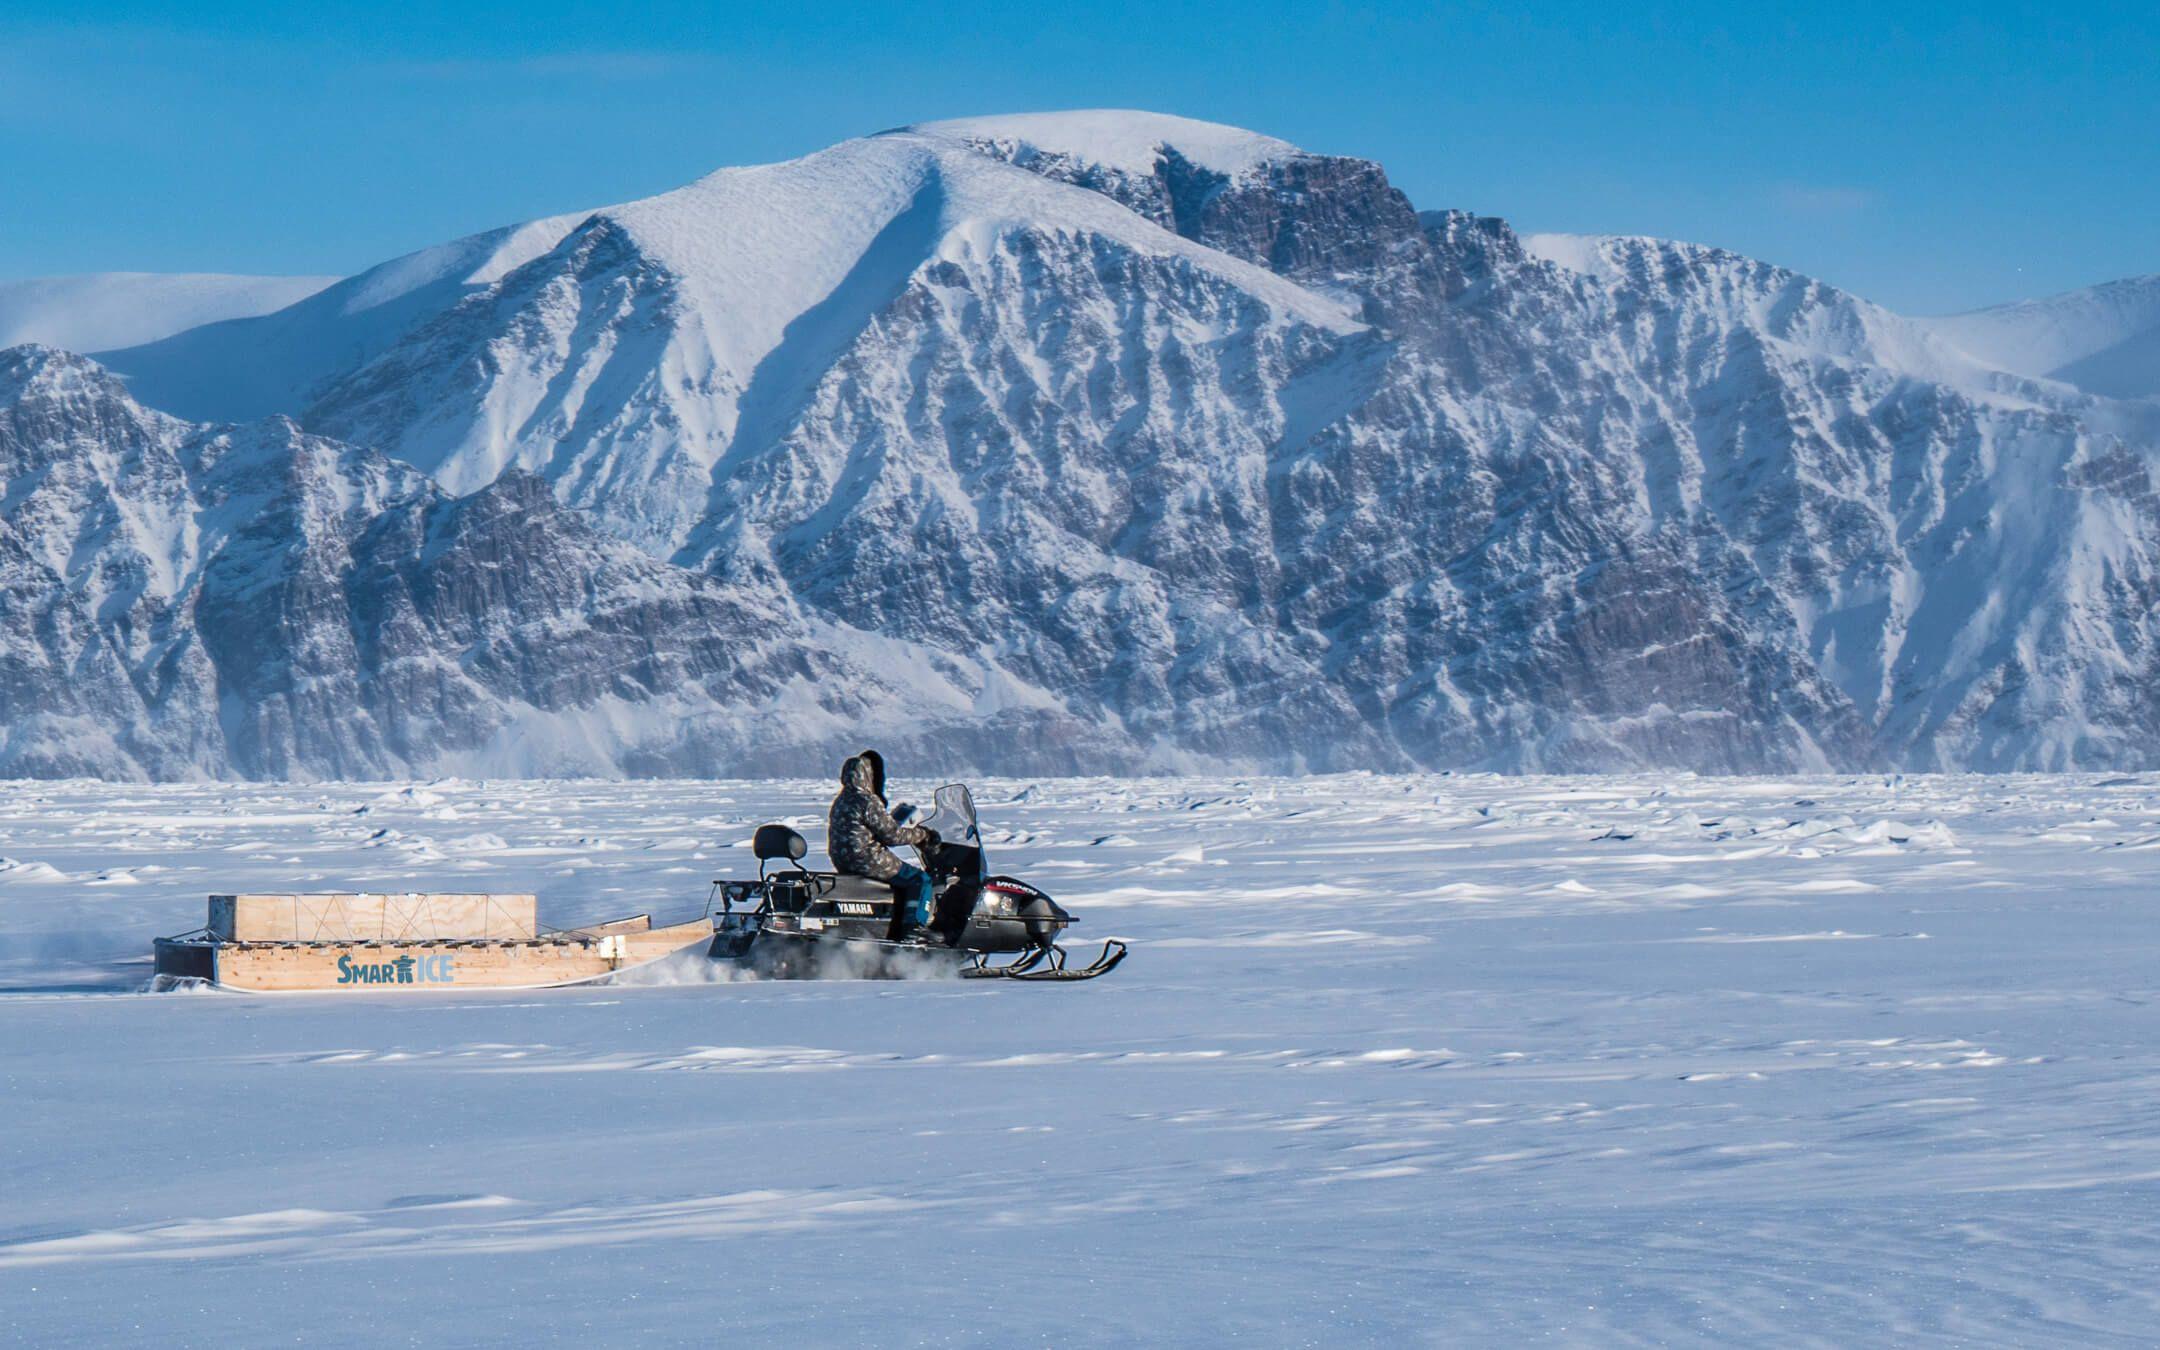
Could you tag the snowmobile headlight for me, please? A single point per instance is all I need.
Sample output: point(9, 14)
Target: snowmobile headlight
point(1003, 902)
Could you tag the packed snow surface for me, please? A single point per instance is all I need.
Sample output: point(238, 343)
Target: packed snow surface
point(98, 310)
point(1620, 1060)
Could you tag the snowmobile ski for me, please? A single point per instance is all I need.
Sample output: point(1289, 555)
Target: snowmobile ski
point(1047, 963)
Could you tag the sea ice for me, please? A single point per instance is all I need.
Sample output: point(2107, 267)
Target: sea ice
point(1406, 1061)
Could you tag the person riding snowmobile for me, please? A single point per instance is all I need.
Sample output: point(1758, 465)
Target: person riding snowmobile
point(860, 834)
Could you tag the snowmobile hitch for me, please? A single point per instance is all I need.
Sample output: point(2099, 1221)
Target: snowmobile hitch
point(1031, 966)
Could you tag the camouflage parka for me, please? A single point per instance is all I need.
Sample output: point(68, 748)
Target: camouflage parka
point(859, 831)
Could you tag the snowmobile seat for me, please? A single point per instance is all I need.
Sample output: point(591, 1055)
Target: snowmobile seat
point(778, 841)
point(867, 889)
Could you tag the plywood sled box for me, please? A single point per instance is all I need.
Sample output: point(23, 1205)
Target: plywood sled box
point(364, 942)
point(362, 916)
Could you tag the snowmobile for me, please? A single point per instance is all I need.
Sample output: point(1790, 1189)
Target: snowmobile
point(793, 923)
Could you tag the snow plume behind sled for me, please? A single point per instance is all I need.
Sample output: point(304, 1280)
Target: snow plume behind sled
point(687, 967)
point(178, 984)
point(779, 958)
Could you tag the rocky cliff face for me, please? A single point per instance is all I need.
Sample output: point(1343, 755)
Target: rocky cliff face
point(182, 601)
point(1105, 440)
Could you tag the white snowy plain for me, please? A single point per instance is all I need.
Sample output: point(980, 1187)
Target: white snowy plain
point(1395, 1061)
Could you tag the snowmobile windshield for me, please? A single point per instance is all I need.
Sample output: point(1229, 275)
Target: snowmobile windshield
point(953, 817)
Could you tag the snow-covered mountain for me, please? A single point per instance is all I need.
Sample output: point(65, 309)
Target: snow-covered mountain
point(123, 309)
point(2103, 339)
point(1152, 441)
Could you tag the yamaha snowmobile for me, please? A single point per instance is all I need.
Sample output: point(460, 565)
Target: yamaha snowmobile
point(793, 923)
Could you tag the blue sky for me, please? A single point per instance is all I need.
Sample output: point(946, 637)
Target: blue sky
point(1931, 157)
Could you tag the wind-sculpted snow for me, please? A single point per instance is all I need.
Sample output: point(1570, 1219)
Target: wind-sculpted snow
point(115, 309)
point(254, 367)
point(1167, 444)
point(1644, 1059)
point(2103, 339)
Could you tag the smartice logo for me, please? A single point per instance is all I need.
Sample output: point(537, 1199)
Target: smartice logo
point(404, 970)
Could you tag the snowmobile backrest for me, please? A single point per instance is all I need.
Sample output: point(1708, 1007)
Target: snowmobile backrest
point(778, 841)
